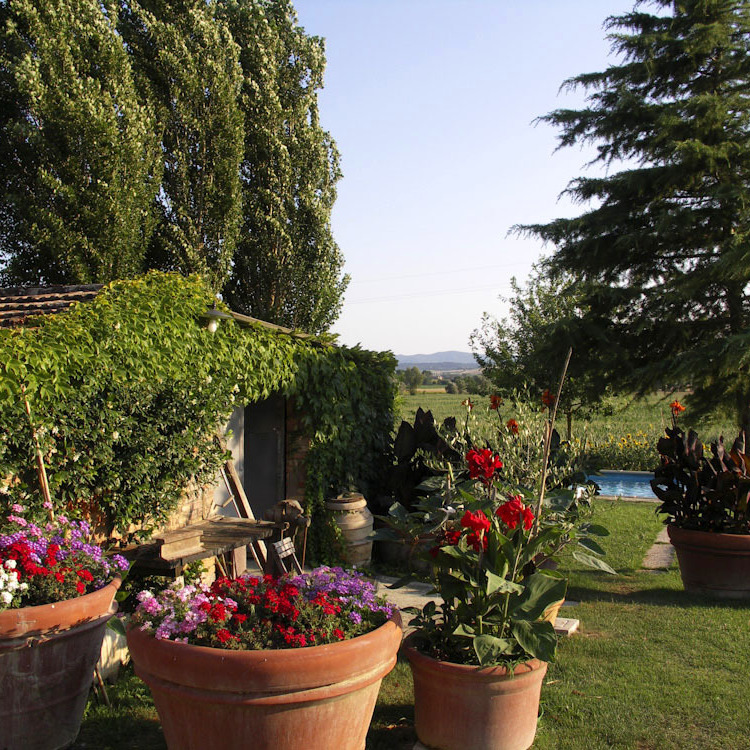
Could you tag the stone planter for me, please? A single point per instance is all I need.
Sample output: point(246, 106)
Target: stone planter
point(47, 659)
point(712, 563)
point(459, 707)
point(317, 698)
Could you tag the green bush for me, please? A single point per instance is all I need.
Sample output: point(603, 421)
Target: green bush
point(128, 391)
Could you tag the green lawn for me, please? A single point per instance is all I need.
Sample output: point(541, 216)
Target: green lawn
point(652, 668)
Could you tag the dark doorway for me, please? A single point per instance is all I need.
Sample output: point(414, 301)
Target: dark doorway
point(265, 454)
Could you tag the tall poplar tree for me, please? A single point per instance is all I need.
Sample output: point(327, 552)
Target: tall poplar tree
point(287, 266)
point(186, 63)
point(80, 162)
point(664, 249)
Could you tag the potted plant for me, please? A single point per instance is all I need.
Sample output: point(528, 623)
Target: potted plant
point(56, 596)
point(285, 662)
point(706, 503)
point(479, 657)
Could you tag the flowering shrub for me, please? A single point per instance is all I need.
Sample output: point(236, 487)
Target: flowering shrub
point(493, 598)
point(50, 564)
point(324, 606)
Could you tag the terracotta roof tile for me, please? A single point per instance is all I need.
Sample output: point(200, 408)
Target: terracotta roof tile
point(17, 303)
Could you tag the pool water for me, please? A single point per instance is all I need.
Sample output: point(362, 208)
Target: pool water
point(625, 483)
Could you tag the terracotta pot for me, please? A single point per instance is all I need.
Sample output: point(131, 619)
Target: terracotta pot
point(459, 707)
point(353, 517)
point(316, 698)
point(47, 659)
point(712, 563)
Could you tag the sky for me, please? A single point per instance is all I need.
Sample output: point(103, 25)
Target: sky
point(431, 104)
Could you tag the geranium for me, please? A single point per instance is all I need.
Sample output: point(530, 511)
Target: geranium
point(477, 521)
point(249, 612)
point(50, 564)
point(483, 464)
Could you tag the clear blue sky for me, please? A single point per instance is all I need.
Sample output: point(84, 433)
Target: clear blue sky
point(431, 103)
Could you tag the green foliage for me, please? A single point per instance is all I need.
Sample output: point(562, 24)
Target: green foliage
point(129, 390)
point(182, 136)
point(662, 256)
point(187, 65)
point(80, 155)
point(287, 267)
point(528, 349)
point(412, 378)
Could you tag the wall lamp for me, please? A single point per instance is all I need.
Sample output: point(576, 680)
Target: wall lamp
point(213, 316)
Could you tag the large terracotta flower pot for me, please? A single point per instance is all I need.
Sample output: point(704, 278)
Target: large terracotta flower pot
point(47, 659)
point(459, 707)
point(316, 698)
point(712, 563)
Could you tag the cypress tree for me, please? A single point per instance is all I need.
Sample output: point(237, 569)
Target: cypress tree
point(287, 266)
point(186, 64)
point(663, 253)
point(80, 160)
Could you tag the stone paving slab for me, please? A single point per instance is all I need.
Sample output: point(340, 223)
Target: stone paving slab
point(659, 557)
point(663, 537)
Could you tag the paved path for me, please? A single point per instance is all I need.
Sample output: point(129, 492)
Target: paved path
point(661, 554)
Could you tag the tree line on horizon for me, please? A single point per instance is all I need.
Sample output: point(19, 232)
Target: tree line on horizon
point(179, 135)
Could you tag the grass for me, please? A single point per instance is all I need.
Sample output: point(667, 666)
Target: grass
point(653, 668)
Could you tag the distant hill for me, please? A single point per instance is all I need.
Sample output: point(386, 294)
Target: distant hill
point(439, 361)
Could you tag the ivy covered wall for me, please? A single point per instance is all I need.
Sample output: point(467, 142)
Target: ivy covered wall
point(127, 392)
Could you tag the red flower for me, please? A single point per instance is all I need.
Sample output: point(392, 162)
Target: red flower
point(676, 407)
point(239, 618)
point(495, 402)
point(513, 511)
point(468, 403)
point(477, 521)
point(512, 426)
point(483, 464)
point(548, 399)
point(474, 538)
point(338, 633)
point(223, 635)
point(80, 587)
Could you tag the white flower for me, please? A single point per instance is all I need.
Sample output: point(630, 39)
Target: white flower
point(6, 597)
point(10, 564)
point(115, 435)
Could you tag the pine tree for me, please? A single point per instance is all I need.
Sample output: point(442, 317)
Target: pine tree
point(186, 64)
point(80, 161)
point(287, 266)
point(664, 253)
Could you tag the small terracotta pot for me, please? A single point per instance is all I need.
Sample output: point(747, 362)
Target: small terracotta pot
point(47, 659)
point(317, 698)
point(459, 707)
point(713, 563)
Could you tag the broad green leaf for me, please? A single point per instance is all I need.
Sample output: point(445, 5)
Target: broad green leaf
point(593, 562)
point(489, 649)
point(591, 545)
point(596, 529)
point(402, 581)
point(464, 631)
point(536, 637)
point(540, 590)
point(502, 585)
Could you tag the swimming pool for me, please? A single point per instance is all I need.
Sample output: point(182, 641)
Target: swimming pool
point(625, 483)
